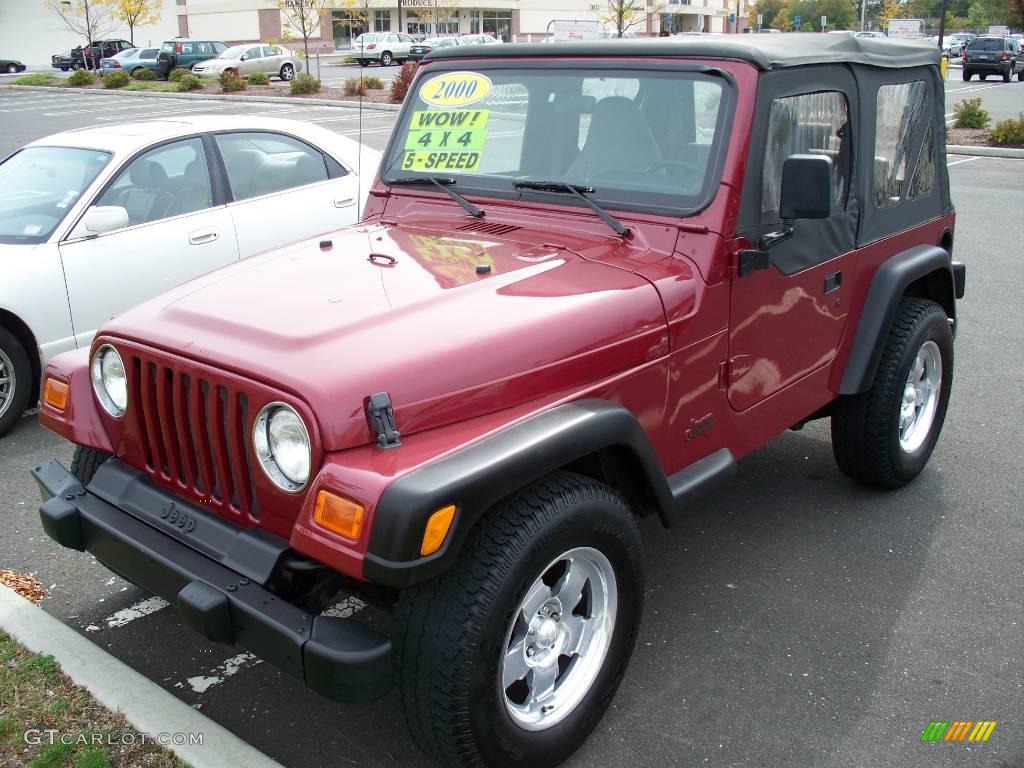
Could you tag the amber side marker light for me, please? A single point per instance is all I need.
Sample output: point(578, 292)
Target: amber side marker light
point(339, 515)
point(437, 529)
point(55, 394)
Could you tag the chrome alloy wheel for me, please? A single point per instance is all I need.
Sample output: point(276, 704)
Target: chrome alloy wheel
point(921, 397)
point(8, 382)
point(559, 638)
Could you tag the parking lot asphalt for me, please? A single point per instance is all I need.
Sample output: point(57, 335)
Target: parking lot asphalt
point(794, 620)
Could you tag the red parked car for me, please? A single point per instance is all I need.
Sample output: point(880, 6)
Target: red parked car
point(591, 278)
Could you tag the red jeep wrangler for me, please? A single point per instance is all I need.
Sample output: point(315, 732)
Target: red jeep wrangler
point(591, 277)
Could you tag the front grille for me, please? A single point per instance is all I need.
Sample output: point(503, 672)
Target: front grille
point(194, 435)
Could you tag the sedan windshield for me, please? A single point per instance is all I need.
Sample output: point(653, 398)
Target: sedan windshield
point(39, 185)
point(645, 139)
point(235, 52)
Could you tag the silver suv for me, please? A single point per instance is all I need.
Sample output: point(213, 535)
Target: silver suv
point(248, 59)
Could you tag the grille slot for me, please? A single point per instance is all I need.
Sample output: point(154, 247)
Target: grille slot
point(194, 435)
point(488, 229)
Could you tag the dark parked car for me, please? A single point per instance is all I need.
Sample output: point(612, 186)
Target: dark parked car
point(67, 60)
point(994, 55)
point(184, 52)
point(420, 50)
point(89, 56)
point(10, 66)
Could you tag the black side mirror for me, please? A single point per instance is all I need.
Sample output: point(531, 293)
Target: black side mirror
point(806, 187)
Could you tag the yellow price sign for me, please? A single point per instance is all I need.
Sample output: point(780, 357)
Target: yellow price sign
point(442, 139)
point(455, 89)
point(450, 118)
point(440, 161)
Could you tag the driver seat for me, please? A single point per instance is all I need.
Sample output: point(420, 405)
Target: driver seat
point(619, 141)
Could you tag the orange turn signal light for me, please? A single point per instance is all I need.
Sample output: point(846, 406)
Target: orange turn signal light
point(437, 529)
point(338, 515)
point(55, 394)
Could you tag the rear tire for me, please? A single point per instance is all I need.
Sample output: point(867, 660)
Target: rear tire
point(364, 62)
point(885, 436)
point(967, 75)
point(11, 69)
point(1007, 75)
point(85, 462)
point(15, 380)
point(983, 77)
point(287, 72)
point(1020, 75)
point(498, 615)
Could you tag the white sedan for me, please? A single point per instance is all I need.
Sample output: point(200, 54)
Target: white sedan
point(95, 221)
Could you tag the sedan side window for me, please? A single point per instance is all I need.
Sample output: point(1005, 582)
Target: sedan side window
point(253, 53)
point(263, 163)
point(268, 51)
point(164, 182)
point(149, 53)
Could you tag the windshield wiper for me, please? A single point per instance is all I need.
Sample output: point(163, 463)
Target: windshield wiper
point(442, 184)
point(580, 192)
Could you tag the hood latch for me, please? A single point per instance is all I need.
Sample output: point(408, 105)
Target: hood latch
point(381, 417)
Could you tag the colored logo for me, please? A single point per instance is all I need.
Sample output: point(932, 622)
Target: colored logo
point(958, 730)
point(455, 89)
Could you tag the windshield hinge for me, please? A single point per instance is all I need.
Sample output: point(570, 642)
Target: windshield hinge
point(381, 418)
point(750, 260)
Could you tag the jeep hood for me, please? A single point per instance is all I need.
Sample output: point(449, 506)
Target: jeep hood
point(451, 327)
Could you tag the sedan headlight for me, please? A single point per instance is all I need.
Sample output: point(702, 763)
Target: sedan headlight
point(281, 443)
point(109, 381)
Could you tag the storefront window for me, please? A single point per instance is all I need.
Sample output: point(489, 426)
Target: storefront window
point(416, 25)
point(382, 21)
point(495, 23)
point(346, 28)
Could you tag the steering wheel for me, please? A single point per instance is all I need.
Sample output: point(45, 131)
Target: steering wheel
point(666, 164)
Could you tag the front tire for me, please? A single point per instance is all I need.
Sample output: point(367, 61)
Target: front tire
point(885, 436)
point(11, 69)
point(511, 657)
point(85, 462)
point(386, 59)
point(15, 380)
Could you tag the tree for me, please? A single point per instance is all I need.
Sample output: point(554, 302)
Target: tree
point(359, 13)
point(623, 15)
point(782, 21)
point(768, 10)
point(891, 9)
point(303, 18)
point(89, 19)
point(135, 13)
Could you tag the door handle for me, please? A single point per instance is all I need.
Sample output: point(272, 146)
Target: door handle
point(832, 282)
point(344, 202)
point(202, 236)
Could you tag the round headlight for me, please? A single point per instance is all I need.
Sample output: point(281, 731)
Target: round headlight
point(281, 443)
point(109, 381)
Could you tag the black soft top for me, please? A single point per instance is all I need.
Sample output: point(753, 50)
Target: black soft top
point(763, 51)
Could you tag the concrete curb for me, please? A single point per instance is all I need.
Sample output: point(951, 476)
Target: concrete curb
point(294, 100)
point(960, 149)
point(118, 687)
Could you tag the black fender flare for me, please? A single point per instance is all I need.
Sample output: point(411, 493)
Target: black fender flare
point(478, 476)
point(890, 283)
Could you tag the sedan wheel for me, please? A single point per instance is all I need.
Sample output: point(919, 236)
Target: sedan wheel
point(287, 72)
point(12, 68)
point(15, 380)
point(386, 59)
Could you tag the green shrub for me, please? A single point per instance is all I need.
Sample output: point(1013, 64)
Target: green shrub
point(230, 81)
point(1009, 131)
point(259, 78)
point(355, 87)
point(177, 73)
point(303, 84)
point(34, 79)
point(189, 82)
point(400, 85)
point(116, 80)
point(81, 77)
point(144, 75)
point(373, 82)
point(969, 114)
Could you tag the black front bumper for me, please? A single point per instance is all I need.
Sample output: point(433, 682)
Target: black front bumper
point(216, 583)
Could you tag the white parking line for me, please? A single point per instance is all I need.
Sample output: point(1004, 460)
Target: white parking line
point(346, 608)
point(220, 673)
point(137, 611)
point(368, 115)
point(965, 160)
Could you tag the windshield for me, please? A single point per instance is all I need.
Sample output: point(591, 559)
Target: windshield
point(39, 185)
point(986, 44)
point(643, 139)
point(234, 52)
